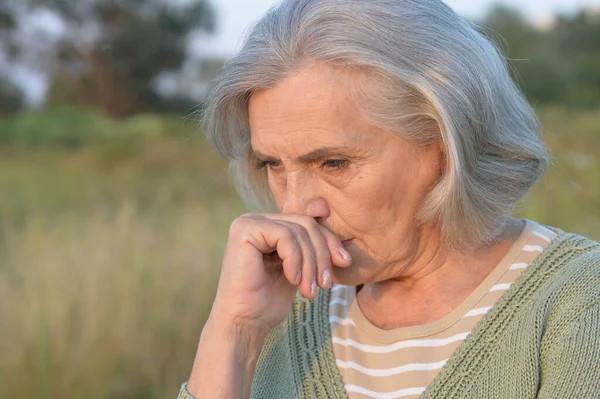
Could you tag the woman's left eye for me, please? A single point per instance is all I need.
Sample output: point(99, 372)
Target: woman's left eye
point(334, 163)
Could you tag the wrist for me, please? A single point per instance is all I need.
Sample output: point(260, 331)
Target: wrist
point(226, 323)
point(227, 352)
point(246, 337)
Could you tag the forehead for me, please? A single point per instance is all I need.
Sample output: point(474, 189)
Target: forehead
point(314, 103)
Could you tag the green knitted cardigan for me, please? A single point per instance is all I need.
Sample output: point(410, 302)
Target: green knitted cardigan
point(540, 340)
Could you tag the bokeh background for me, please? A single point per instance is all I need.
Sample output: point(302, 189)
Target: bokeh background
point(113, 211)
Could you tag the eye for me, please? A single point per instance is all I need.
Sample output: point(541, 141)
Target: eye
point(267, 164)
point(334, 163)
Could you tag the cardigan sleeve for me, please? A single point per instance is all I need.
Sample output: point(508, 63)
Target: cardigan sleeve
point(571, 366)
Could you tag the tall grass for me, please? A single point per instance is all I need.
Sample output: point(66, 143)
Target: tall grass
point(568, 197)
point(108, 305)
point(110, 247)
point(109, 257)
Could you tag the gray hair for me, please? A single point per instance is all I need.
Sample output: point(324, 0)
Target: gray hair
point(438, 79)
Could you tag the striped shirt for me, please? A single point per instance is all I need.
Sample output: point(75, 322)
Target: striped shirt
point(400, 363)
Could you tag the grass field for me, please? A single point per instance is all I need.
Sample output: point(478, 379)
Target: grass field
point(111, 235)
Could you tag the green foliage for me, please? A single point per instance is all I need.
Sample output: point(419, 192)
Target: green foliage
point(134, 43)
point(7, 20)
point(569, 196)
point(560, 65)
point(11, 97)
point(62, 128)
point(71, 128)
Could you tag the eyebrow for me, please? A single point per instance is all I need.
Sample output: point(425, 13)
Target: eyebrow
point(310, 157)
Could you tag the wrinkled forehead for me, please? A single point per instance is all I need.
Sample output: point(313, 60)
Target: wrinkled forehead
point(314, 105)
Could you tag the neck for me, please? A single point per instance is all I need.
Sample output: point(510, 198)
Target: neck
point(436, 283)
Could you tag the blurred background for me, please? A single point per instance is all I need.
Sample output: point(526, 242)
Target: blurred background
point(113, 211)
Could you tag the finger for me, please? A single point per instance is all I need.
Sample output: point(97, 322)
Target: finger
point(268, 236)
point(322, 254)
point(339, 254)
point(308, 284)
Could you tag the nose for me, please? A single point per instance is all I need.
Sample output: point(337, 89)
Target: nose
point(302, 197)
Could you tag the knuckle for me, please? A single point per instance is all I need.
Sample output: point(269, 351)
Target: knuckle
point(299, 229)
point(293, 228)
point(241, 224)
point(237, 226)
point(286, 232)
point(307, 222)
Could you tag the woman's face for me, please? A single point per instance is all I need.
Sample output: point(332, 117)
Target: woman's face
point(324, 160)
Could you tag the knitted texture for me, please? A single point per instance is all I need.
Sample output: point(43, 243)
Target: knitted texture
point(540, 340)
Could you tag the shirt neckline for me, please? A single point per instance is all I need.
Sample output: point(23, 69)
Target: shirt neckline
point(402, 333)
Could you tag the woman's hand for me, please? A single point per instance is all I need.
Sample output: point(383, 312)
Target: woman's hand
point(267, 259)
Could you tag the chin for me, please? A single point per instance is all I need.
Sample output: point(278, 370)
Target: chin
point(359, 272)
point(351, 275)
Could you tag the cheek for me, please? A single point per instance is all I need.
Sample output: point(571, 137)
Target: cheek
point(361, 206)
point(380, 203)
point(377, 189)
point(277, 185)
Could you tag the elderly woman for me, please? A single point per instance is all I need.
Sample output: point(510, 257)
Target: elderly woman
point(385, 146)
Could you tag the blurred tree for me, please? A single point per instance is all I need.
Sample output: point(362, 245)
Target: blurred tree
point(535, 64)
point(560, 64)
point(7, 19)
point(112, 51)
point(11, 97)
point(577, 39)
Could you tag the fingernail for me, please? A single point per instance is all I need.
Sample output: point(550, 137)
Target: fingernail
point(344, 254)
point(313, 289)
point(298, 277)
point(327, 279)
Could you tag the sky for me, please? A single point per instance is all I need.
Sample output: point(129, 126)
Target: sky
point(236, 16)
